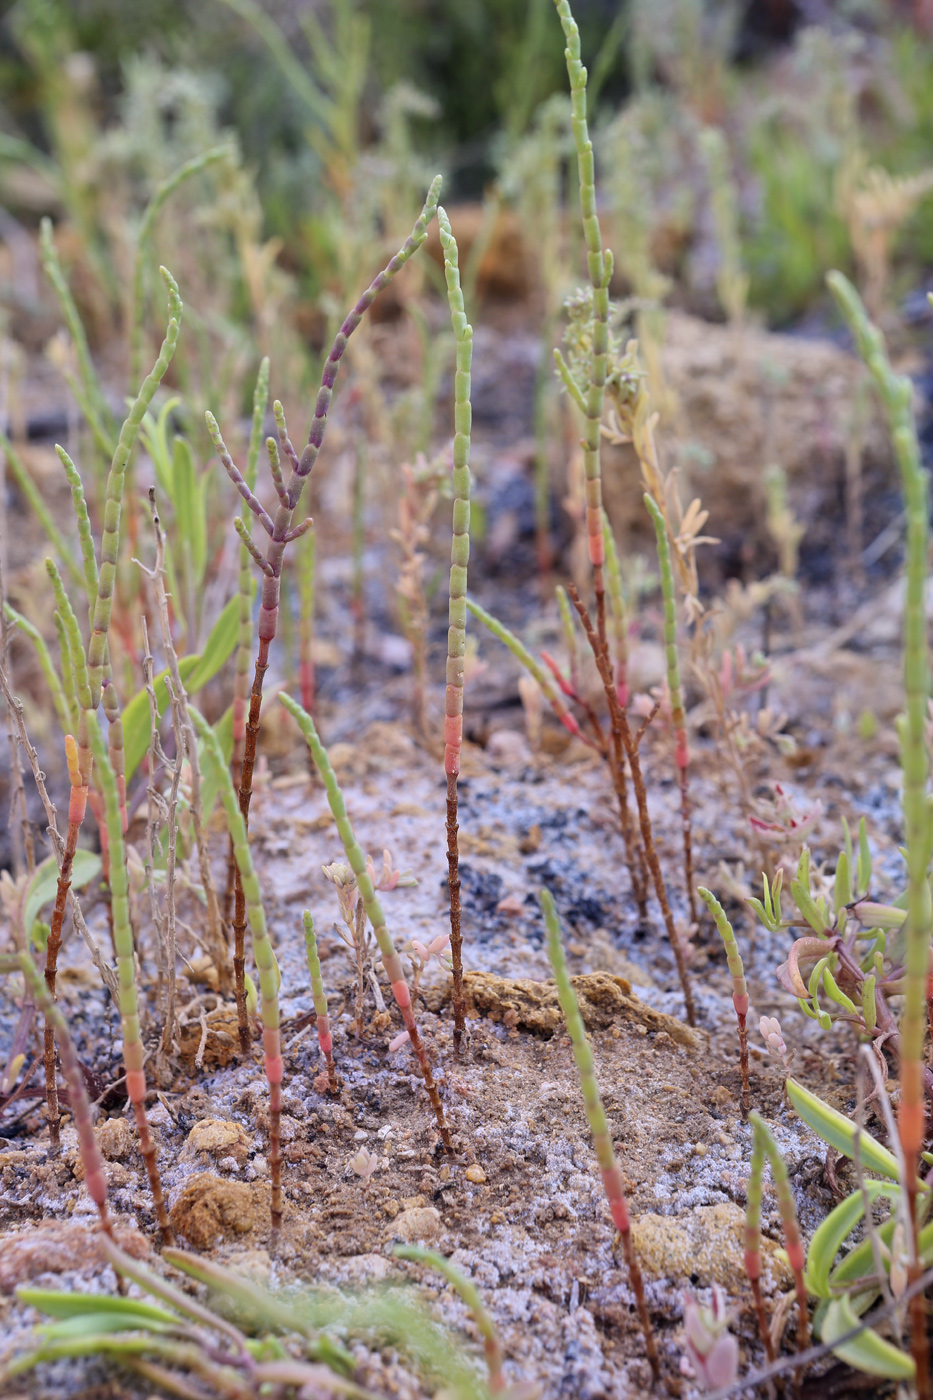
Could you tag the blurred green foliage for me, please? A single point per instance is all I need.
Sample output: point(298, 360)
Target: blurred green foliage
point(340, 105)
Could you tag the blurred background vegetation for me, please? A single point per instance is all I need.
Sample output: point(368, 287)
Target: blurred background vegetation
point(339, 110)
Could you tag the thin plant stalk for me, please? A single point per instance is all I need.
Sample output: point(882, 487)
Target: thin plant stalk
point(793, 1244)
point(46, 665)
point(524, 656)
point(244, 653)
point(39, 509)
point(282, 530)
point(262, 951)
point(752, 1248)
point(186, 740)
point(456, 631)
point(95, 1173)
point(675, 691)
point(739, 987)
point(92, 670)
point(620, 723)
point(599, 267)
point(596, 1117)
point(15, 706)
point(143, 239)
point(358, 586)
point(470, 1295)
point(133, 1055)
point(896, 393)
point(619, 610)
point(307, 562)
point(391, 961)
point(319, 996)
point(611, 751)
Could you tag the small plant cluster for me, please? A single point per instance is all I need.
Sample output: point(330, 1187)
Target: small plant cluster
point(851, 958)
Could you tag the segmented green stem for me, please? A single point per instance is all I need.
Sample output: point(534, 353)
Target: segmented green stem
point(739, 987)
point(168, 187)
point(470, 1295)
point(456, 630)
point(68, 675)
point(896, 394)
point(678, 714)
point(133, 1055)
point(319, 996)
point(79, 761)
point(619, 610)
point(85, 537)
point(752, 1253)
point(39, 508)
point(88, 374)
point(570, 635)
point(110, 539)
point(793, 1244)
point(262, 951)
point(244, 653)
point(599, 266)
point(282, 530)
point(95, 1174)
point(307, 562)
point(523, 655)
point(46, 666)
point(622, 732)
point(596, 1117)
point(391, 961)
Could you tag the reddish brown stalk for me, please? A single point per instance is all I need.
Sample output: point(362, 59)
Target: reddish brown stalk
point(453, 885)
point(76, 809)
point(634, 855)
point(281, 530)
point(620, 722)
point(686, 827)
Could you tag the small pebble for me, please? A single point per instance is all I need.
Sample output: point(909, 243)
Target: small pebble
point(475, 1173)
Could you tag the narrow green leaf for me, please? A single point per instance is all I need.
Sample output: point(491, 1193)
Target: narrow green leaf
point(189, 514)
point(867, 1352)
point(860, 1262)
point(54, 1303)
point(834, 1128)
point(838, 1225)
point(90, 1324)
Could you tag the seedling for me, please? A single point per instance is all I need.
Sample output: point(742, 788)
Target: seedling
point(596, 1117)
point(391, 961)
point(456, 636)
point(739, 988)
point(262, 951)
point(282, 531)
point(325, 1039)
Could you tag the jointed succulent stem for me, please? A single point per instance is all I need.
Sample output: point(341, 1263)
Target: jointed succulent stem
point(325, 1038)
point(678, 715)
point(793, 1244)
point(391, 961)
point(456, 633)
point(620, 723)
point(280, 532)
point(739, 988)
point(262, 951)
point(896, 394)
point(596, 1117)
point(599, 266)
point(752, 1253)
point(133, 1056)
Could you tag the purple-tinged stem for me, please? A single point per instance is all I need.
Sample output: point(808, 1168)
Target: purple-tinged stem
point(281, 530)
